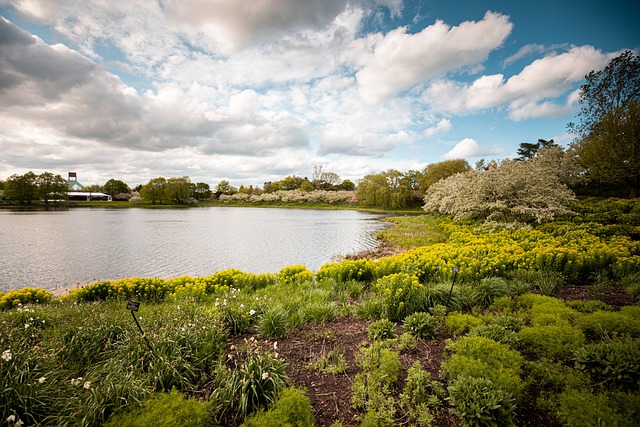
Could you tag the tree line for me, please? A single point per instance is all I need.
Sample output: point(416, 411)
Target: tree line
point(603, 159)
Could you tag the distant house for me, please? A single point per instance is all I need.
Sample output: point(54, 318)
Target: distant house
point(75, 191)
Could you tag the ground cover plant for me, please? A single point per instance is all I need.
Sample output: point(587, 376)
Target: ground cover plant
point(517, 335)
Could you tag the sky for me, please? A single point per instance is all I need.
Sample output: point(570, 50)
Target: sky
point(250, 91)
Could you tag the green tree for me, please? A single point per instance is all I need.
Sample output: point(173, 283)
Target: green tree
point(200, 191)
point(528, 150)
point(51, 187)
point(608, 137)
point(437, 171)
point(347, 185)
point(115, 186)
point(386, 190)
point(306, 186)
point(21, 188)
point(153, 191)
point(178, 190)
point(224, 187)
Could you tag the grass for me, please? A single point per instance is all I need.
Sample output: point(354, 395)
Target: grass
point(412, 231)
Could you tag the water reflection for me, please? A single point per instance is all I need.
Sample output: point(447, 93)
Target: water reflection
point(62, 248)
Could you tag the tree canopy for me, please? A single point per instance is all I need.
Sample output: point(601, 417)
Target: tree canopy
point(608, 135)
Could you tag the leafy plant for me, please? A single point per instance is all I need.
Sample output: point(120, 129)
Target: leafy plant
point(421, 325)
point(274, 323)
point(166, 409)
point(421, 395)
point(615, 362)
point(481, 402)
point(292, 408)
point(489, 289)
point(553, 341)
point(398, 292)
point(461, 323)
point(18, 297)
point(548, 282)
point(381, 330)
point(332, 362)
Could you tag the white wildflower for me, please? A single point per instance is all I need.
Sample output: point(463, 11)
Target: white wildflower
point(11, 418)
point(87, 385)
point(6, 355)
point(42, 379)
point(265, 376)
point(252, 312)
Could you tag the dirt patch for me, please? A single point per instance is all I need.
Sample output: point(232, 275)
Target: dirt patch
point(615, 297)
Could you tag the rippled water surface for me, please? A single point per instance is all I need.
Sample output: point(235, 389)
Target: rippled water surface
point(62, 248)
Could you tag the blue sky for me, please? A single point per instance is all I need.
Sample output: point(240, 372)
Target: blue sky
point(253, 91)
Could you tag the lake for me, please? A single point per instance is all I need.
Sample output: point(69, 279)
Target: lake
point(63, 248)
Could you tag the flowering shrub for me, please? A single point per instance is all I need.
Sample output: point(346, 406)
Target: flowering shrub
point(398, 293)
point(23, 296)
point(295, 197)
point(294, 274)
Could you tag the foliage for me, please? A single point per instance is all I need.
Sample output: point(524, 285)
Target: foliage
point(480, 402)
point(421, 325)
point(166, 409)
point(252, 380)
point(512, 192)
point(294, 274)
point(347, 197)
point(18, 297)
point(274, 323)
point(489, 289)
point(381, 330)
point(554, 341)
point(154, 190)
point(502, 329)
point(178, 190)
point(438, 171)
point(387, 190)
point(421, 395)
point(579, 407)
point(292, 408)
point(610, 122)
point(606, 323)
point(115, 186)
point(332, 362)
point(480, 357)
point(398, 293)
point(379, 371)
point(461, 323)
point(615, 362)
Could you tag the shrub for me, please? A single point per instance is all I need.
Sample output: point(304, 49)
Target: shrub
point(489, 289)
point(166, 409)
point(294, 274)
point(421, 395)
point(481, 402)
point(381, 330)
point(461, 323)
point(589, 306)
point(615, 362)
point(421, 325)
point(17, 297)
point(398, 294)
point(579, 408)
point(496, 333)
point(605, 323)
point(553, 341)
point(379, 370)
point(484, 358)
point(292, 408)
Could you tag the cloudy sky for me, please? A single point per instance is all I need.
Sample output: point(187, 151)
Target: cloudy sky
point(254, 90)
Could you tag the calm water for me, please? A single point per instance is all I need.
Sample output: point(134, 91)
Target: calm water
point(52, 249)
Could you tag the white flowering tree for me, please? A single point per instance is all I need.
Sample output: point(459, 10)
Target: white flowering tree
point(514, 191)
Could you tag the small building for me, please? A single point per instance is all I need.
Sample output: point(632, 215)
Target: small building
point(75, 191)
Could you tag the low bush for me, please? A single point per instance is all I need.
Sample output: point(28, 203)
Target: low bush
point(421, 325)
point(589, 306)
point(554, 341)
point(421, 395)
point(165, 409)
point(615, 362)
point(605, 323)
point(480, 402)
point(481, 357)
point(398, 293)
point(18, 297)
point(292, 408)
point(381, 330)
point(273, 323)
point(370, 307)
point(461, 323)
point(578, 408)
point(294, 274)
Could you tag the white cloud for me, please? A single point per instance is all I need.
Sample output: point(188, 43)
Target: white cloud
point(547, 78)
point(443, 126)
point(399, 61)
point(469, 148)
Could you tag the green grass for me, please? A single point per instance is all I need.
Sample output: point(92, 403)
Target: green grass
point(412, 231)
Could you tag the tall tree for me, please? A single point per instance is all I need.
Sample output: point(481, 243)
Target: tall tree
point(437, 171)
point(115, 186)
point(528, 150)
point(608, 139)
point(51, 187)
point(153, 191)
point(21, 188)
point(178, 190)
